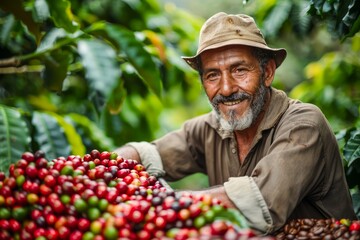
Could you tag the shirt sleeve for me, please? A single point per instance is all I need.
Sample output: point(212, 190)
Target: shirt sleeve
point(248, 199)
point(182, 151)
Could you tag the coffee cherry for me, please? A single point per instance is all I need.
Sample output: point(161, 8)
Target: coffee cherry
point(51, 234)
point(136, 216)
point(143, 234)
point(39, 154)
point(76, 235)
point(110, 233)
point(355, 226)
point(15, 225)
point(2, 176)
point(64, 232)
point(41, 163)
point(20, 197)
point(170, 215)
point(156, 201)
point(45, 190)
point(105, 155)
point(31, 171)
point(50, 180)
point(160, 222)
point(219, 227)
point(93, 213)
point(4, 224)
point(95, 154)
point(195, 210)
point(40, 221)
point(28, 156)
point(184, 214)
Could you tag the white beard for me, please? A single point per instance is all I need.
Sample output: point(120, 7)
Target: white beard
point(231, 122)
point(237, 124)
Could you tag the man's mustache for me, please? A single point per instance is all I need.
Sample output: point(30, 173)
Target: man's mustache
point(233, 97)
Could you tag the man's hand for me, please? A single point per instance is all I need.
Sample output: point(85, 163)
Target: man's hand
point(146, 154)
point(128, 152)
point(217, 192)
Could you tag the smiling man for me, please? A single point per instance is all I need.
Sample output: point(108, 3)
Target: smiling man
point(271, 157)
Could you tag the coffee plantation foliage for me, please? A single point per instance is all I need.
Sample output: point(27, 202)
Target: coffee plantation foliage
point(77, 75)
point(96, 77)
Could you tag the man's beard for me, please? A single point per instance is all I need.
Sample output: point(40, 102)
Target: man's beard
point(230, 121)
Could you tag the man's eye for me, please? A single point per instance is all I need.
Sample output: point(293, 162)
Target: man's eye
point(211, 76)
point(240, 70)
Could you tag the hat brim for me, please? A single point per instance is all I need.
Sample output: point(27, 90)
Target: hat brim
point(279, 53)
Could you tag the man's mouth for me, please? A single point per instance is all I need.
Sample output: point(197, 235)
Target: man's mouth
point(231, 100)
point(231, 103)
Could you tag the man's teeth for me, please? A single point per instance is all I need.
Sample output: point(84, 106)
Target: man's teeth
point(231, 103)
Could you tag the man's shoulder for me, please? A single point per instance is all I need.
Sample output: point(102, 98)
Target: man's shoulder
point(301, 112)
point(299, 107)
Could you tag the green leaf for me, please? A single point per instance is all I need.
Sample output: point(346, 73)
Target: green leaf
point(117, 98)
point(352, 148)
point(61, 15)
point(50, 39)
point(41, 10)
point(91, 131)
point(14, 136)
point(56, 68)
point(234, 216)
point(137, 56)
point(318, 5)
point(99, 61)
point(17, 9)
point(5, 30)
point(352, 13)
point(279, 14)
point(354, 29)
point(74, 139)
point(50, 135)
point(355, 195)
point(347, 16)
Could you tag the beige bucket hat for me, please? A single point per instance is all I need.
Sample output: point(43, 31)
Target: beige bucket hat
point(226, 29)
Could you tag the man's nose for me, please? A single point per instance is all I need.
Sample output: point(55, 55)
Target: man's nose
point(227, 84)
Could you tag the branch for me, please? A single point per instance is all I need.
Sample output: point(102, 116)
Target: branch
point(22, 69)
point(9, 62)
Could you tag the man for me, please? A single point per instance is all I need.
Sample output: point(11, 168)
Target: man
point(271, 157)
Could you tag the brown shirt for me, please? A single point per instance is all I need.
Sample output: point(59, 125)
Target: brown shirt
point(294, 162)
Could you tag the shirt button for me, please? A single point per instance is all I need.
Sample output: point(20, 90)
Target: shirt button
point(233, 150)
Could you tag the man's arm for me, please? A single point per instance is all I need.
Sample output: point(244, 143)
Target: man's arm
point(218, 192)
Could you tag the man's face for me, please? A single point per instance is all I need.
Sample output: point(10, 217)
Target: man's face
point(234, 83)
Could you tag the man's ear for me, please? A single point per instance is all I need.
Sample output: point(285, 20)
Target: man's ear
point(270, 72)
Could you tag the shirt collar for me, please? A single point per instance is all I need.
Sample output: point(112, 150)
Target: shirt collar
point(279, 102)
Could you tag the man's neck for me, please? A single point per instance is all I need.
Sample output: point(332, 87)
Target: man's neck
point(245, 137)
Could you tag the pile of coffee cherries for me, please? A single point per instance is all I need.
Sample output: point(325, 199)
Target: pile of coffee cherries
point(326, 229)
point(102, 196)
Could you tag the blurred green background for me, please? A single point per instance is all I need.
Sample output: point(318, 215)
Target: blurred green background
point(77, 75)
